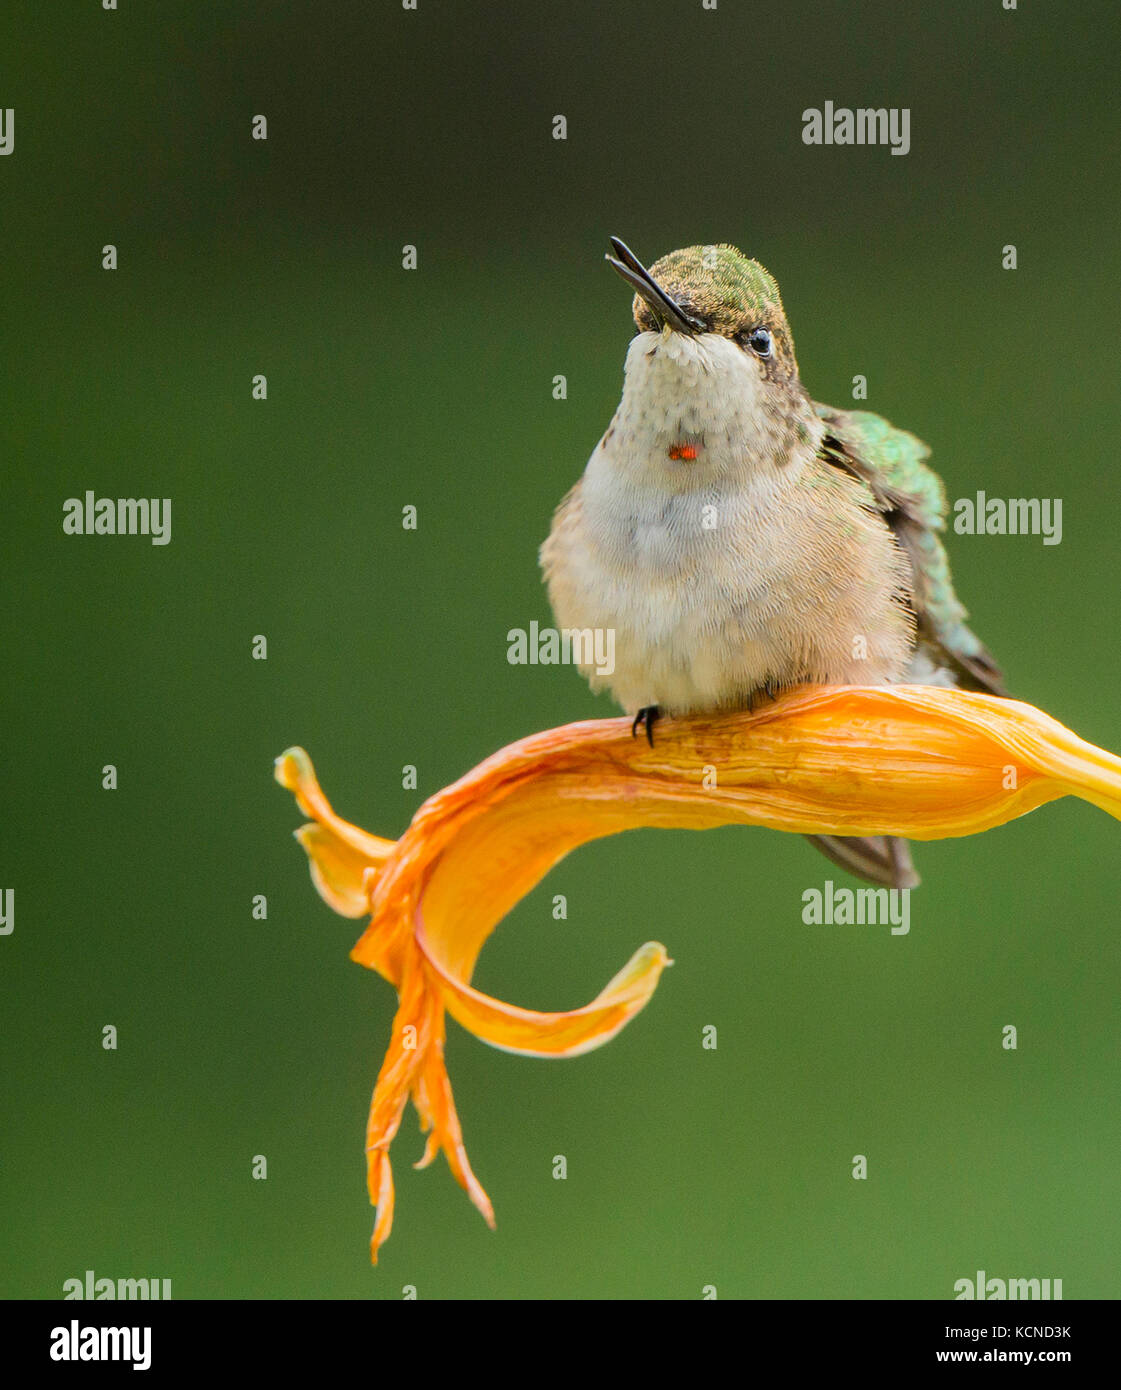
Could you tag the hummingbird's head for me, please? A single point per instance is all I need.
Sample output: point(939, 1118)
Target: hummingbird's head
point(711, 289)
point(711, 385)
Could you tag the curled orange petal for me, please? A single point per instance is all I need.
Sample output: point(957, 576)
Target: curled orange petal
point(554, 1035)
point(916, 761)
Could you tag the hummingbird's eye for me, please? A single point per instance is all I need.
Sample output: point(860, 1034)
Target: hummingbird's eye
point(760, 342)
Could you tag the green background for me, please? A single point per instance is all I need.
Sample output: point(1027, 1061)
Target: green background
point(686, 1167)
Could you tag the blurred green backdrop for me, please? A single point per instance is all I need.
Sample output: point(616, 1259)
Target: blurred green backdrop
point(433, 388)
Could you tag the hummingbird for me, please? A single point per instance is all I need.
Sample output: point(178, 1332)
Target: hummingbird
point(741, 538)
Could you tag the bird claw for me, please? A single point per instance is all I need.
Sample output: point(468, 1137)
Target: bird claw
point(646, 715)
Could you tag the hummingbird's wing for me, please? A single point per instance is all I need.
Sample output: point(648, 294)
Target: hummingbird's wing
point(892, 465)
point(891, 462)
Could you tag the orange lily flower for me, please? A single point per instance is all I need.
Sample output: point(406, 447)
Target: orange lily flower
point(916, 761)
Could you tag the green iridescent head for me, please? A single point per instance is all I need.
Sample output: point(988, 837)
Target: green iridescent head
point(710, 289)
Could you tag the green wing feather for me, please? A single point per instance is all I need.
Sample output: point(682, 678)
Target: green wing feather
point(892, 463)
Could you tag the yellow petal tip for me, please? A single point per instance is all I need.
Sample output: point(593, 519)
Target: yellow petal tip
point(292, 767)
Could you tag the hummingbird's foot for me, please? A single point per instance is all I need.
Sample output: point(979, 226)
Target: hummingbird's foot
point(646, 715)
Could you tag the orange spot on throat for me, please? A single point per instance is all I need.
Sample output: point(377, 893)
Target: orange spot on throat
point(683, 451)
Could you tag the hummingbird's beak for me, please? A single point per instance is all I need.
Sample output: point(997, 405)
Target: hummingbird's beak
point(664, 308)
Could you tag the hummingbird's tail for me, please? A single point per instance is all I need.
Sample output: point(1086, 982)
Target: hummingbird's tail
point(880, 859)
